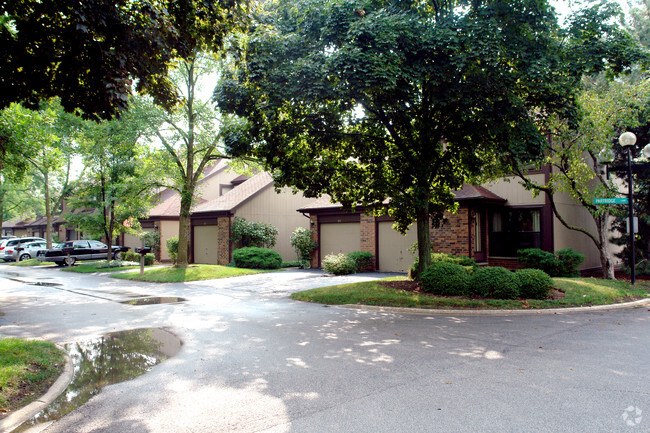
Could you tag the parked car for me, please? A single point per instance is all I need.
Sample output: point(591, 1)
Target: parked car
point(28, 250)
point(71, 251)
point(8, 247)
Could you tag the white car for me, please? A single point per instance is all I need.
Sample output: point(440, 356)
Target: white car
point(29, 250)
point(8, 247)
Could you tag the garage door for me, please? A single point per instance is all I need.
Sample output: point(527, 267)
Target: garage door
point(205, 244)
point(393, 248)
point(338, 238)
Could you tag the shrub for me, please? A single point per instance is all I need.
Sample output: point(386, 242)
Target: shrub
point(445, 278)
point(172, 248)
point(339, 264)
point(303, 245)
point(292, 264)
point(130, 256)
point(494, 282)
point(563, 263)
point(253, 234)
point(256, 258)
point(152, 239)
point(443, 257)
point(149, 258)
point(533, 283)
point(363, 260)
point(568, 262)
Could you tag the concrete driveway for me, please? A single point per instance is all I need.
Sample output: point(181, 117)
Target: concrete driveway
point(253, 360)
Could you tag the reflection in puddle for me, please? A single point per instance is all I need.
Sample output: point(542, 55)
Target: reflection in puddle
point(43, 283)
point(155, 300)
point(113, 358)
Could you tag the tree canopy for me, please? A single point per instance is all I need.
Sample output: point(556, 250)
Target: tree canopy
point(373, 100)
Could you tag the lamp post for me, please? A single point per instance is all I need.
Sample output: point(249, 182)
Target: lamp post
point(627, 140)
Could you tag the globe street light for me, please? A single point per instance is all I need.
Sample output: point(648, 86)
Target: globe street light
point(627, 140)
point(646, 151)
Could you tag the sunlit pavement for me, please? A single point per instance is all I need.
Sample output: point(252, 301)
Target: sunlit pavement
point(254, 360)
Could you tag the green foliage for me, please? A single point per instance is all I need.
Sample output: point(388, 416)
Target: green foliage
point(468, 262)
point(303, 244)
point(172, 248)
point(152, 239)
point(563, 263)
point(253, 234)
point(494, 282)
point(533, 283)
point(256, 258)
point(149, 259)
point(363, 260)
point(130, 256)
point(445, 278)
point(292, 264)
point(339, 264)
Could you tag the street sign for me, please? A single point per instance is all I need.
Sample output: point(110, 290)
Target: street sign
point(615, 200)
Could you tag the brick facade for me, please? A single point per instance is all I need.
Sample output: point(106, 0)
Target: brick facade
point(454, 236)
point(223, 242)
point(368, 232)
point(315, 255)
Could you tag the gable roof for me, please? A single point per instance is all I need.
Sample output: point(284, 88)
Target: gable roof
point(238, 195)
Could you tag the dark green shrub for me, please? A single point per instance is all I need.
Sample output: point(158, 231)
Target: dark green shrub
point(568, 262)
point(253, 234)
point(152, 239)
point(363, 260)
point(256, 258)
point(172, 248)
point(533, 283)
point(442, 257)
point(494, 282)
point(130, 256)
point(292, 264)
point(339, 264)
point(445, 278)
point(301, 242)
point(149, 258)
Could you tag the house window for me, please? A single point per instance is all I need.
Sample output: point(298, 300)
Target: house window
point(514, 229)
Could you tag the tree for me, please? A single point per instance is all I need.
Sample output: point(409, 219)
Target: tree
point(375, 100)
point(90, 52)
point(118, 185)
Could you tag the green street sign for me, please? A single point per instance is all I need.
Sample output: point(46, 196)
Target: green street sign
point(616, 200)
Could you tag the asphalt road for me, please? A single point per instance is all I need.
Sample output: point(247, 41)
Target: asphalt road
point(253, 360)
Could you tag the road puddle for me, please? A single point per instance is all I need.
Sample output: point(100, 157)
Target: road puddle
point(154, 300)
point(113, 358)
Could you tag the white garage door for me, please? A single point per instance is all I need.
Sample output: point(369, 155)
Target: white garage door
point(205, 245)
point(338, 238)
point(393, 248)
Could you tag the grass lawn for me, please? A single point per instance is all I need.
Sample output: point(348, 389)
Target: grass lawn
point(191, 273)
point(30, 262)
point(27, 369)
point(577, 292)
point(100, 266)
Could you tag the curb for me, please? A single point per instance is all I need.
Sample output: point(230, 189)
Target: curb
point(468, 312)
point(25, 413)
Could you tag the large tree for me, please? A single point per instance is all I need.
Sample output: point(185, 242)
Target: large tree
point(370, 101)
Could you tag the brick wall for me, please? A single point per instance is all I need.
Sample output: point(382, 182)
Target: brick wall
point(505, 262)
point(453, 236)
point(368, 231)
point(223, 242)
point(315, 255)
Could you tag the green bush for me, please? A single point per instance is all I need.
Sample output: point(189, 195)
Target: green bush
point(563, 263)
point(292, 264)
point(494, 282)
point(130, 256)
point(256, 258)
point(339, 264)
point(152, 239)
point(469, 262)
point(149, 258)
point(172, 248)
point(253, 234)
point(568, 262)
point(301, 242)
point(445, 278)
point(363, 260)
point(533, 283)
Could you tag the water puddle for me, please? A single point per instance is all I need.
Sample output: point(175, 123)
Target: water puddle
point(113, 358)
point(155, 300)
point(45, 283)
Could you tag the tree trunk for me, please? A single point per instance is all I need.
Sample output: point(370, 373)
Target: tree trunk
point(424, 241)
point(109, 234)
point(603, 248)
point(48, 210)
point(182, 260)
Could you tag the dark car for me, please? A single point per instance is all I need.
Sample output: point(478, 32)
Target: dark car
point(69, 252)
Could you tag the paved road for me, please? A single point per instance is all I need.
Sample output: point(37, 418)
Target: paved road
point(255, 361)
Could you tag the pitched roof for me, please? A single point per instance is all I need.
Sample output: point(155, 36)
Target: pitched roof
point(170, 207)
point(323, 202)
point(238, 195)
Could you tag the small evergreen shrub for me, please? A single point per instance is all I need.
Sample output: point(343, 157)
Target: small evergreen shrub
point(172, 248)
point(533, 283)
point(469, 262)
point(568, 262)
point(292, 264)
point(339, 264)
point(563, 263)
point(149, 258)
point(362, 259)
point(445, 278)
point(301, 242)
point(494, 282)
point(256, 258)
point(253, 234)
point(130, 256)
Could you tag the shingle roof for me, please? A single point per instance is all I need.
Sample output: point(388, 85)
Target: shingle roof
point(323, 202)
point(238, 195)
point(170, 206)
